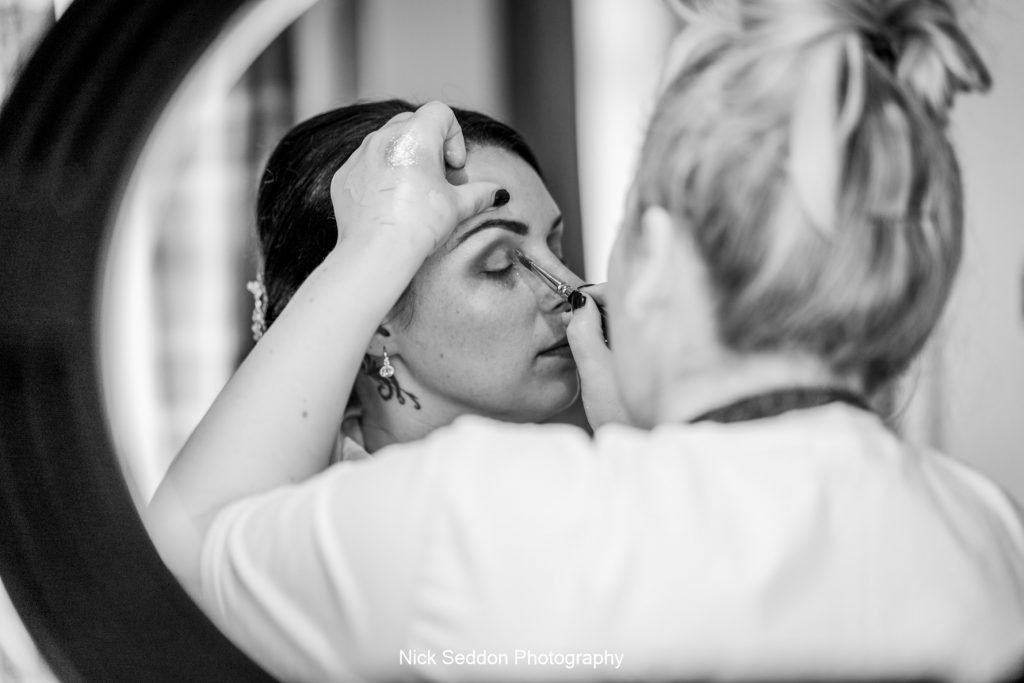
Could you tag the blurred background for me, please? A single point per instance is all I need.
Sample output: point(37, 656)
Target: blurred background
point(577, 77)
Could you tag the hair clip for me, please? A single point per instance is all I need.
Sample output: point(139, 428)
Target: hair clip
point(259, 306)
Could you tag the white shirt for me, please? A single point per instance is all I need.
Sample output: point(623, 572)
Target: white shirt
point(348, 445)
point(813, 543)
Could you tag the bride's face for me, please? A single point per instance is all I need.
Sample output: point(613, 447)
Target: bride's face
point(486, 336)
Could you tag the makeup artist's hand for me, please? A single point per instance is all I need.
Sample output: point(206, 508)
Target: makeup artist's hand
point(598, 387)
point(394, 188)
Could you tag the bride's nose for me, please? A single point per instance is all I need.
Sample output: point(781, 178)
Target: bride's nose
point(558, 300)
point(563, 273)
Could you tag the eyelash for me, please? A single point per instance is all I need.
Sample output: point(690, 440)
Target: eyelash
point(502, 274)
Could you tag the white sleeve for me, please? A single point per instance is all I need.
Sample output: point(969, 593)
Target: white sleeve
point(315, 581)
point(324, 580)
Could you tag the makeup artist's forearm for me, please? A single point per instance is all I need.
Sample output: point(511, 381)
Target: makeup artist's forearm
point(277, 418)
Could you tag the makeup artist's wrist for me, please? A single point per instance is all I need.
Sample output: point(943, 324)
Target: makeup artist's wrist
point(380, 262)
point(388, 244)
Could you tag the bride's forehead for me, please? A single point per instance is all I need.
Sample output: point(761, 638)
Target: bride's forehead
point(511, 172)
point(491, 159)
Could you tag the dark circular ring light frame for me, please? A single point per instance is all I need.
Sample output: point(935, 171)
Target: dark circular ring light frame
point(74, 556)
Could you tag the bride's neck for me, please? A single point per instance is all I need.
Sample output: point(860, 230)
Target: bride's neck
point(394, 416)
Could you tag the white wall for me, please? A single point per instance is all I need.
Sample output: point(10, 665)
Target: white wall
point(419, 50)
point(620, 48)
point(981, 402)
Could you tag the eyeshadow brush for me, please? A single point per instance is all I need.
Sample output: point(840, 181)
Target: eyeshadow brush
point(574, 297)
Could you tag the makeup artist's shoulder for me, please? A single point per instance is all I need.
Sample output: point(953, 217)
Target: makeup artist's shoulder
point(546, 447)
point(484, 464)
point(472, 437)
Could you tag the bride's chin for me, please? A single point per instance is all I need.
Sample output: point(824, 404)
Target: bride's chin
point(563, 393)
point(544, 401)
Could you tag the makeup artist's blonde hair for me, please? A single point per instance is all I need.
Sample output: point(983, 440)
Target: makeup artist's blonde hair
point(803, 142)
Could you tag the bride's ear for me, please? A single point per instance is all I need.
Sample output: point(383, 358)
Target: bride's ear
point(381, 338)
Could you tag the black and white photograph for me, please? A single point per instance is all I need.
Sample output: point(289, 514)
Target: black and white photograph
point(511, 340)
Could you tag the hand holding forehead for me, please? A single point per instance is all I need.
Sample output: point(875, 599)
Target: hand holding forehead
point(439, 120)
point(395, 182)
point(417, 136)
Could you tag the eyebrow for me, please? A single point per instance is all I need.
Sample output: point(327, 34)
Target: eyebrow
point(517, 227)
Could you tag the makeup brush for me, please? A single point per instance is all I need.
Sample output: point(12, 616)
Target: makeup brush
point(573, 296)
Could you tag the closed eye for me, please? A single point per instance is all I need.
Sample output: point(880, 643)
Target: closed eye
point(501, 273)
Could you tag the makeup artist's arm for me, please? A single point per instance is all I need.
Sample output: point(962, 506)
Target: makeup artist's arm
point(276, 419)
point(598, 386)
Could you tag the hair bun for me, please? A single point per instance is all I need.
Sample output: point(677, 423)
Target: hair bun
point(880, 45)
point(928, 51)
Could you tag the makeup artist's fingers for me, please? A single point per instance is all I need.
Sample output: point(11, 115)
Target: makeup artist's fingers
point(398, 118)
point(598, 386)
point(584, 334)
point(474, 198)
point(394, 186)
point(595, 290)
point(439, 123)
point(454, 142)
point(597, 293)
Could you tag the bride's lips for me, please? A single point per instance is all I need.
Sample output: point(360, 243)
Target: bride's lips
point(559, 348)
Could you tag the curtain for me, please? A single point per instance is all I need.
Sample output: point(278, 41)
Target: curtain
point(22, 25)
point(202, 207)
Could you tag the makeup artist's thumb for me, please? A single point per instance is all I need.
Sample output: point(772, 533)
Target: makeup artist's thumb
point(474, 198)
point(598, 387)
point(586, 339)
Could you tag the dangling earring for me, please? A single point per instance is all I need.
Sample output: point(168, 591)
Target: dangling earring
point(386, 370)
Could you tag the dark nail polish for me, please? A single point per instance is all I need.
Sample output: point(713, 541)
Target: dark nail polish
point(577, 300)
point(501, 197)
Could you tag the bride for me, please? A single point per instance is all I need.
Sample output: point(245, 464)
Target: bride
point(466, 336)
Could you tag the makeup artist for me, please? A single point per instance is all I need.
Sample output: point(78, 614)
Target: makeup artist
point(790, 240)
